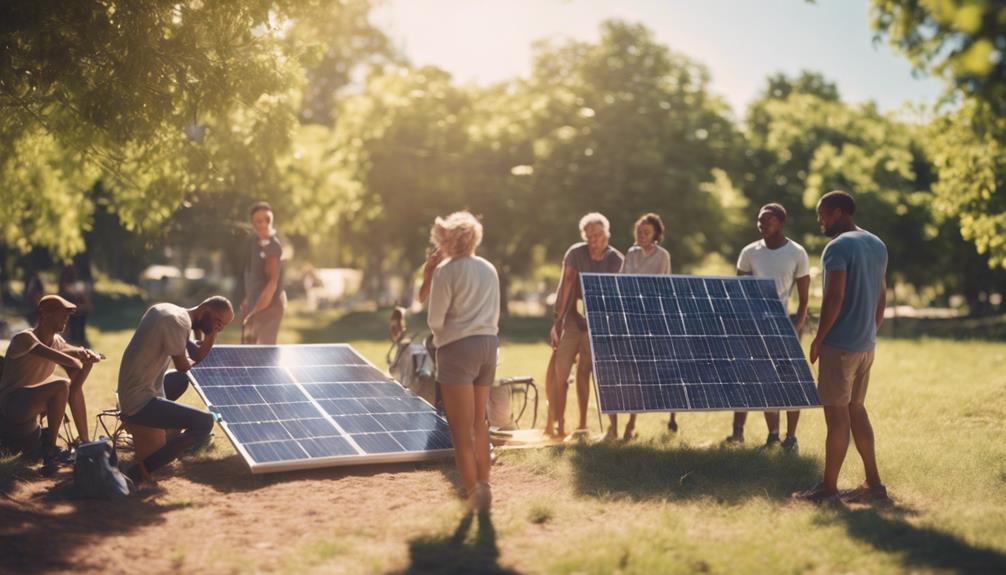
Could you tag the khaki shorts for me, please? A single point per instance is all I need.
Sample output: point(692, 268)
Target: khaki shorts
point(843, 376)
point(574, 346)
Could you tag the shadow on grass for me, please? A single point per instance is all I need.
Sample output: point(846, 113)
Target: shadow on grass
point(454, 554)
point(54, 533)
point(918, 547)
point(650, 471)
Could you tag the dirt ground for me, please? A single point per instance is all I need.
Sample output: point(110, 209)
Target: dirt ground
point(213, 516)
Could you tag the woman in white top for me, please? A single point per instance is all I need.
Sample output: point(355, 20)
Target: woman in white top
point(645, 257)
point(464, 310)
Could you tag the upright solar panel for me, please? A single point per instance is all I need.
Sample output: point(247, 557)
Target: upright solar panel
point(303, 406)
point(693, 343)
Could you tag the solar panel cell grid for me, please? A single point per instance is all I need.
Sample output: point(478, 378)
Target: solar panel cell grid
point(690, 343)
point(287, 407)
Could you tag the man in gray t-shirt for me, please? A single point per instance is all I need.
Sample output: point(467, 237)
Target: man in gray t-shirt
point(147, 396)
point(855, 297)
point(569, 332)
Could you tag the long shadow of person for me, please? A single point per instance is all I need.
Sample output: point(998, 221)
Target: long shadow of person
point(454, 553)
point(923, 547)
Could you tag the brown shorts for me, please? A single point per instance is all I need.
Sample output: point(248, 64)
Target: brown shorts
point(468, 361)
point(843, 376)
point(574, 346)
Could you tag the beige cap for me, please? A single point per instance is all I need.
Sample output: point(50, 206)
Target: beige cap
point(51, 303)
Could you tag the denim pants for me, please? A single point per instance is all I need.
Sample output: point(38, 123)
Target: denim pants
point(165, 413)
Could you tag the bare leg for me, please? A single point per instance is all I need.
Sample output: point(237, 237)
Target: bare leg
point(792, 418)
point(582, 390)
point(772, 422)
point(561, 391)
point(862, 434)
point(630, 427)
point(550, 394)
point(482, 460)
point(78, 408)
point(459, 403)
point(740, 417)
point(837, 443)
point(613, 425)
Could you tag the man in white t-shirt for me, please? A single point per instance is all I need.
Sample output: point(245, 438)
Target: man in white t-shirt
point(785, 261)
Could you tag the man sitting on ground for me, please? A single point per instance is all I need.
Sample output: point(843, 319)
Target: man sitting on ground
point(29, 389)
point(146, 395)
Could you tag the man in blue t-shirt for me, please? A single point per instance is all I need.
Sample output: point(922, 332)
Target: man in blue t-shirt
point(855, 263)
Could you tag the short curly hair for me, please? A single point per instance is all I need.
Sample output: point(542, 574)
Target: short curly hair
point(655, 221)
point(591, 219)
point(458, 234)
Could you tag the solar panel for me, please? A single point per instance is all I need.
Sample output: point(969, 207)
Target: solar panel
point(290, 407)
point(693, 343)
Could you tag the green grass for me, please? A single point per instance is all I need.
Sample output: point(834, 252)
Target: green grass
point(681, 503)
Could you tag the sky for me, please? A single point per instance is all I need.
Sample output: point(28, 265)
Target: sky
point(742, 42)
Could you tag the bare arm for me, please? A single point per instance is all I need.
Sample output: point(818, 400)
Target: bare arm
point(834, 295)
point(803, 291)
point(563, 302)
point(741, 272)
point(271, 285)
point(433, 259)
point(58, 357)
point(881, 303)
point(195, 352)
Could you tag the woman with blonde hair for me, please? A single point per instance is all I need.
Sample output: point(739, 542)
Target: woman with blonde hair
point(464, 309)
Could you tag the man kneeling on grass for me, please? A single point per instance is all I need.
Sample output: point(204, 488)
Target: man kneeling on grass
point(147, 396)
point(29, 389)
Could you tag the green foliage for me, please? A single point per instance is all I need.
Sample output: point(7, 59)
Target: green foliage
point(964, 42)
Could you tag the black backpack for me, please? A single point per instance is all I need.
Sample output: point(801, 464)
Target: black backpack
point(96, 474)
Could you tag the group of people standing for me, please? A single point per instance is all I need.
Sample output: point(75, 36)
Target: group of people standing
point(463, 294)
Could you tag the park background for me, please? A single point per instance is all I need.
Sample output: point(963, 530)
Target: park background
point(135, 135)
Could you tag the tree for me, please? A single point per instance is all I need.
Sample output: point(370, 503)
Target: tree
point(164, 101)
point(626, 126)
point(962, 41)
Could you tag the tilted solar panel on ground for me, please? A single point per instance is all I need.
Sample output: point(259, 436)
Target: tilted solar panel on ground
point(693, 343)
point(302, 406)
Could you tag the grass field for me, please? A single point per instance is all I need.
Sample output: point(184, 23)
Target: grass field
point(664, 503)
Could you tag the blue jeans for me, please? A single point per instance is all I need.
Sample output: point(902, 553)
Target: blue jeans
point(161, 413)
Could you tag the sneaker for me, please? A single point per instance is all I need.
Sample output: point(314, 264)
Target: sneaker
point(481, 498)
point(817, 494)
point(771, 441)
point(790, 445)
point(865, 494)
point(578, 435)
point(52, 459)
point(672, 426)
point(734, 440)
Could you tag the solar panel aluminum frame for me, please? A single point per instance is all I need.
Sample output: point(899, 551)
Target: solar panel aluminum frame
point(361, 458)
point(593, 354)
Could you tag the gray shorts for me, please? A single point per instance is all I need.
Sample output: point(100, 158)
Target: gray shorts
point(468, 361)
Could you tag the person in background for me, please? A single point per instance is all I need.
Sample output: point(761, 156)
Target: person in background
point(647, 257)
point(568, 336)
point(855, 297)
point(147, 393)
point(77, 291)
point(264, 297)
point(464, 310)
point(784, 261)
point(29, 389)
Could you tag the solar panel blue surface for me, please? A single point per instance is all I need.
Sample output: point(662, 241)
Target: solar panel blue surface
point(691, 343)
point(290, 407)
